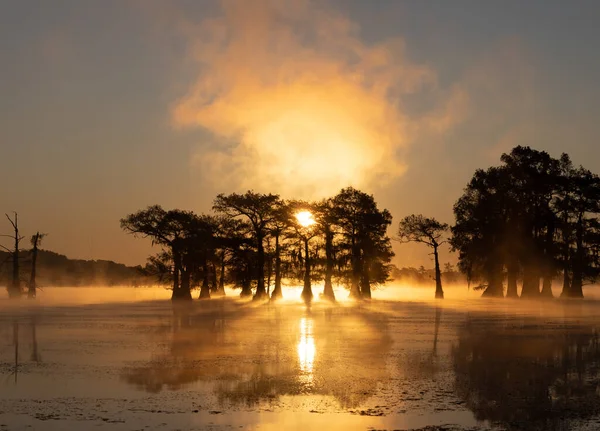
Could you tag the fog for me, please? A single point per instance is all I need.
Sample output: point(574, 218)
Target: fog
point(129, 358)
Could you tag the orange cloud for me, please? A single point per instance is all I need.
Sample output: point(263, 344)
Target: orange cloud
point(297, 103)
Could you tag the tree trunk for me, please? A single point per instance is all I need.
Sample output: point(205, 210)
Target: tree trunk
point(495, 288)
point(31, 293)
point(531, 282)
point(513, 274)
point(547, 287)
point(365, 285)
point(222, 275)
point(566, 290)
point(307, 294)
point(576, 290)
point(356, 270)
point(439, 292)
point(566, 257)
point(548, 261)
point(14, 289)
point(277, 293)
point(176, 269)
point(185, 287)
point(205, 288)
point(247, 283)
point(269, 273)
point(328, 289)
point(214, 285)
point(260, 281)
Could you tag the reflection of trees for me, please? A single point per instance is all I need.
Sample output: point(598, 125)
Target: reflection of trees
point(34, 355)
point(528, 377)
point(255, 355)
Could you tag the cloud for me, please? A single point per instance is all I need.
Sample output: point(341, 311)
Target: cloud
point(297, 103)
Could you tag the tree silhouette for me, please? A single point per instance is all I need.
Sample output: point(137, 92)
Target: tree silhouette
point(363, 228)
point(428, 231)
point(36, 240)
point(14, 288)
point(168, 229)
point(327, 223)
point(530, 218)
point(306, 229)
point(259, 210)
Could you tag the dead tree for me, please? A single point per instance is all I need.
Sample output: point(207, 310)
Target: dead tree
point(36, 240)
point(14, 288)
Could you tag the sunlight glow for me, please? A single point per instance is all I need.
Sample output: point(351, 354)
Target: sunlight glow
point(305, 218)
point(306, 350)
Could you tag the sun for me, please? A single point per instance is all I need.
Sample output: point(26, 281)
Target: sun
point(305, 218)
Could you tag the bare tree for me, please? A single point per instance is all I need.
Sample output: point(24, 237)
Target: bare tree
point(36, 241)
point(429, 231)
point(14, 288)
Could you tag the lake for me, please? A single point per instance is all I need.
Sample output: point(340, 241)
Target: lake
point(129, 359)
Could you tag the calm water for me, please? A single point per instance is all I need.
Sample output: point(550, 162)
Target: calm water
point(228, 364)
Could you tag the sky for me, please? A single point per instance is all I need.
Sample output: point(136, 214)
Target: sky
point(108, 106)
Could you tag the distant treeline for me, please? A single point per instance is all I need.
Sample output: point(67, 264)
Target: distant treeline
point(54, 269)
point(426, 276)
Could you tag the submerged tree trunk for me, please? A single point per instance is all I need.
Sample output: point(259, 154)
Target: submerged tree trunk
point(269, 273)
point(513, 274)
point(176, 270)
point(214, 284)
point(260, 281)
point(576, 290)
point(365, 281)
point(329, 262)
point(548, 261)
point(439, 292)
point(495, 288)
point(222, 275)
point(531, 282)
point(356, 270)
point(14, 288)
point(246, 283)
point(277, 293)
point(32, 290)
point(205, 288)
point(186, 283)
point(307, 294)
point(566, 290)
point(547, 287)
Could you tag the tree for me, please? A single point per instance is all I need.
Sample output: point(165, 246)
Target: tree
point(231, 234)
point(326, 219)
point(258, 209)
point(36, 241)
point(578, 206)
point(279, 224)
point(14, 288)
point(428, 231)
point(530, 218)
point(168, 229)
point(479, 232)
point(364, 240)
point(305, 227)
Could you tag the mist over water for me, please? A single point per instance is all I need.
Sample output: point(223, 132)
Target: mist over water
point(126, 358)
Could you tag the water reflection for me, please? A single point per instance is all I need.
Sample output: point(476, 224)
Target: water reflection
point(534, 376)
point(252, 355)
point(306, 350)
point(11, 367)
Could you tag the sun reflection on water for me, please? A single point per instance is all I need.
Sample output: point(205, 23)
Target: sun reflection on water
point(306, 350)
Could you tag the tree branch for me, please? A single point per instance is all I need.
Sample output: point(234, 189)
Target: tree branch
point(11, 222)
